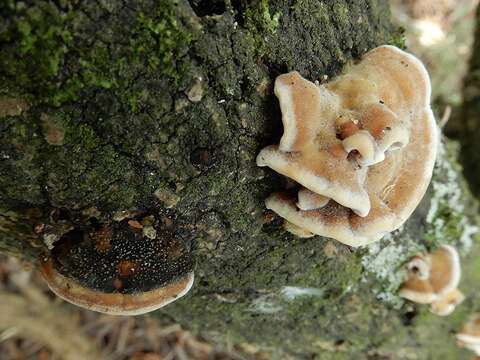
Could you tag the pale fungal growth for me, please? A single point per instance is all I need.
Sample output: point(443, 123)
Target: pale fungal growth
point(469, 336)
point(297, 231)
point(364, 143)
point(445, 305)
point(333, 220)
point(308, 200)
point(324, 170)
point(433, 279)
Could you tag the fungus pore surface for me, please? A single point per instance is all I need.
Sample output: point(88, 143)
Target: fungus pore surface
point(127, 267)
point(361, 147)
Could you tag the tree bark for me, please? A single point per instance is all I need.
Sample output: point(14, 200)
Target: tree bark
point(117, 110)
point(469, 120)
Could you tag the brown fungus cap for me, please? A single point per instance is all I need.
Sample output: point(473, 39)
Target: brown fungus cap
point(117, 269)
point(469, 336)
point(297, 231)
point(309, 151)
point(333, 220)
point(115, 303)
point(447, 303)
point(367, 140)
point(433, 279)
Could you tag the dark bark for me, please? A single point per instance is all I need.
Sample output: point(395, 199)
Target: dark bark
point(469, 123)
point(135, 110)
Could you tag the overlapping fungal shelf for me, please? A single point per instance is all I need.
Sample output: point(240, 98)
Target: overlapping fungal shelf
point(433, 279)
point(361, 148)
point(469, 336)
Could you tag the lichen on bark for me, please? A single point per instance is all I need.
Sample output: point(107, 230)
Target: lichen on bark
point(161, 107)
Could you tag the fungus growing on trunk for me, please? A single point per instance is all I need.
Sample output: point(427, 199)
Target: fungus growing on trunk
point(469, 336)
point(308, 200)
point(117, 268)
point(433, 279)
point(366, 141)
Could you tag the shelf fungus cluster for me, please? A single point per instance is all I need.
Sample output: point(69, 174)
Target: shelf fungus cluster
point(361, 148)
point(469, 336)
point(130, 266)
point(433, 279)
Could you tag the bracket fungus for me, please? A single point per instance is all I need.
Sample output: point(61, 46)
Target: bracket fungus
point(469, 336)
point(119, 268)
point(362, 147)
point(433, 279)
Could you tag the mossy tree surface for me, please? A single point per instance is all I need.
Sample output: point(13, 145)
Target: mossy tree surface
point(114, 107)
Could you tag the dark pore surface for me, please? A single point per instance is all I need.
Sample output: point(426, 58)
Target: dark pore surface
point(128, 256)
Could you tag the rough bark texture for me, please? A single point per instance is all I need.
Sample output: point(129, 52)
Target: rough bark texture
point(469, 119)
point(113, 107)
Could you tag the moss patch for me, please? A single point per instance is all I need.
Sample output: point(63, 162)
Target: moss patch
point(45, 55)
point(33, 44)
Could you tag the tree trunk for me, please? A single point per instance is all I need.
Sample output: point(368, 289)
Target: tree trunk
point(130, 110)
point(469, 120)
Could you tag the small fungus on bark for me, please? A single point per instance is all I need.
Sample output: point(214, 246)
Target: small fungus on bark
point(469, 336)
point(362, 147)
point(117, 269)
point(114, 303)
point(433, 279)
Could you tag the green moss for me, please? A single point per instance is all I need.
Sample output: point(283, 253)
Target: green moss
point(88, 170)
point(33, 45)
point(87, 138)
point(20, 165)
point(259, 20)
point(451, 224)
point(157, 43)
point(340, 12)
point(159, 39)
point(55, 66)
point(398, 39)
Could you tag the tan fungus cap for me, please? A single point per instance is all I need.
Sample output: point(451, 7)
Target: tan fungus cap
point(469, 336)
point(433, 279)
point(367, 140)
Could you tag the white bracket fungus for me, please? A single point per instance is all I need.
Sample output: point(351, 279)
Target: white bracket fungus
point(433, 279)
point(366, 141)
